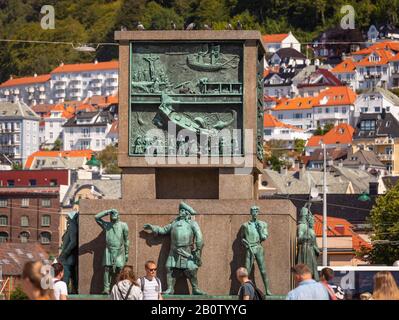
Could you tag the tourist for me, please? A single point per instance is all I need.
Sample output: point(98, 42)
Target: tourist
point(335, 291)
point(247, 289)
point(307, 288)
point(385, 287)
point(59, 286)
point(32, 277)
point(126, 287)
point(150, 284)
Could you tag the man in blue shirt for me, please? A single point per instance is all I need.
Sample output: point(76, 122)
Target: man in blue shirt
point(307, 289)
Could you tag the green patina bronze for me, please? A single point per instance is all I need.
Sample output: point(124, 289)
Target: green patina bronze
point(259, 108)
point(307, 251)
point(69, 252)
point(116, 245)
point(185, 248)
point(253, 233)
point(196, 86)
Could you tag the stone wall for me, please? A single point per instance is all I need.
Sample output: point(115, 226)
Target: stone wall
point(220, 221)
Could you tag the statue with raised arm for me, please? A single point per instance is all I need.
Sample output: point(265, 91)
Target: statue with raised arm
point(185, 248)
point(69, 251)
point(116, 245)
point(253, 233)
point(307, 249)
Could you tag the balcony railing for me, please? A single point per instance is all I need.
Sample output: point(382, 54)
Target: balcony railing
point(372, 75)
point(385, 156)
point(383, 141)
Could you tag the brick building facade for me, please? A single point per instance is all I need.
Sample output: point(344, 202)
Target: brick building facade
point(30, 207)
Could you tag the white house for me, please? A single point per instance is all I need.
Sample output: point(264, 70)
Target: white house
point(289, 56)
point(297, 112)
point(333, 105)
point(277, 130)
point(51, 128)
point(346, 73)
point(19, 131)
point(30, 90)
point(78, 81)
point(274, 42)
point(88, 130)
point(377, 100)
point(66, 82)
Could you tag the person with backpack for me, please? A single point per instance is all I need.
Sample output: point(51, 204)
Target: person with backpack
point(126, 287)
point(248, 290)
point(150, 284)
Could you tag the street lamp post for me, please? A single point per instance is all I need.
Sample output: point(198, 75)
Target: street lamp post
point(324, 241)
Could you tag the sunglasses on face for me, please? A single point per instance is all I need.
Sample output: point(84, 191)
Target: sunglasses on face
point(152, 270)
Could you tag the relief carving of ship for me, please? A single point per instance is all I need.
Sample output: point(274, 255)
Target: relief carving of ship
point(211, 60)
point(197, 125)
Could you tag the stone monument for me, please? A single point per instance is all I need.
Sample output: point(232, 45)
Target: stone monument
point(191, 128)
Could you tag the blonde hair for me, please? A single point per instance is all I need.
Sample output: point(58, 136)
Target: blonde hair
point(32, 272)
point(385, 287)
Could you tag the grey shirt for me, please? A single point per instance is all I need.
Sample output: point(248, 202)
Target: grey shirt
point(246, 289)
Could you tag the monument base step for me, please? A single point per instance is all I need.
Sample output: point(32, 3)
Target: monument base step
point(170, 297)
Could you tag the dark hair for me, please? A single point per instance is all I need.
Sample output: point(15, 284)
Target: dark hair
point(149, 262)
point(58, 268)
point(127, 273)
point(327, 273)
point(301, 269)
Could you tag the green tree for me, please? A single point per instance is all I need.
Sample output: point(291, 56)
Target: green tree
point(384, 218)
point(212, 11)
point(109, 159)
point(299, 145)
point(275, 163)
point(157, 17)
point(18, 294)
point(17, 166)
point(57, 145)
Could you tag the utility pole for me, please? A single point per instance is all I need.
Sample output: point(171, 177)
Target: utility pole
point(324, 242)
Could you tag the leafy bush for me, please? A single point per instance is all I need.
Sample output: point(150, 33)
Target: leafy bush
point(18, 294)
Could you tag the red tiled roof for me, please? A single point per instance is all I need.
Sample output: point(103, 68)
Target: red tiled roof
point(25, 80)
point(81, 67)
point(67, 111)
point(341, 134)
point(385, 45)
point(274, 38)
point(270, 121)
point(53, 154)
point(334, 96)
point(295, 103)
point(14, 255)
point(339, 227)
point(385, 57)
point(348, 65)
